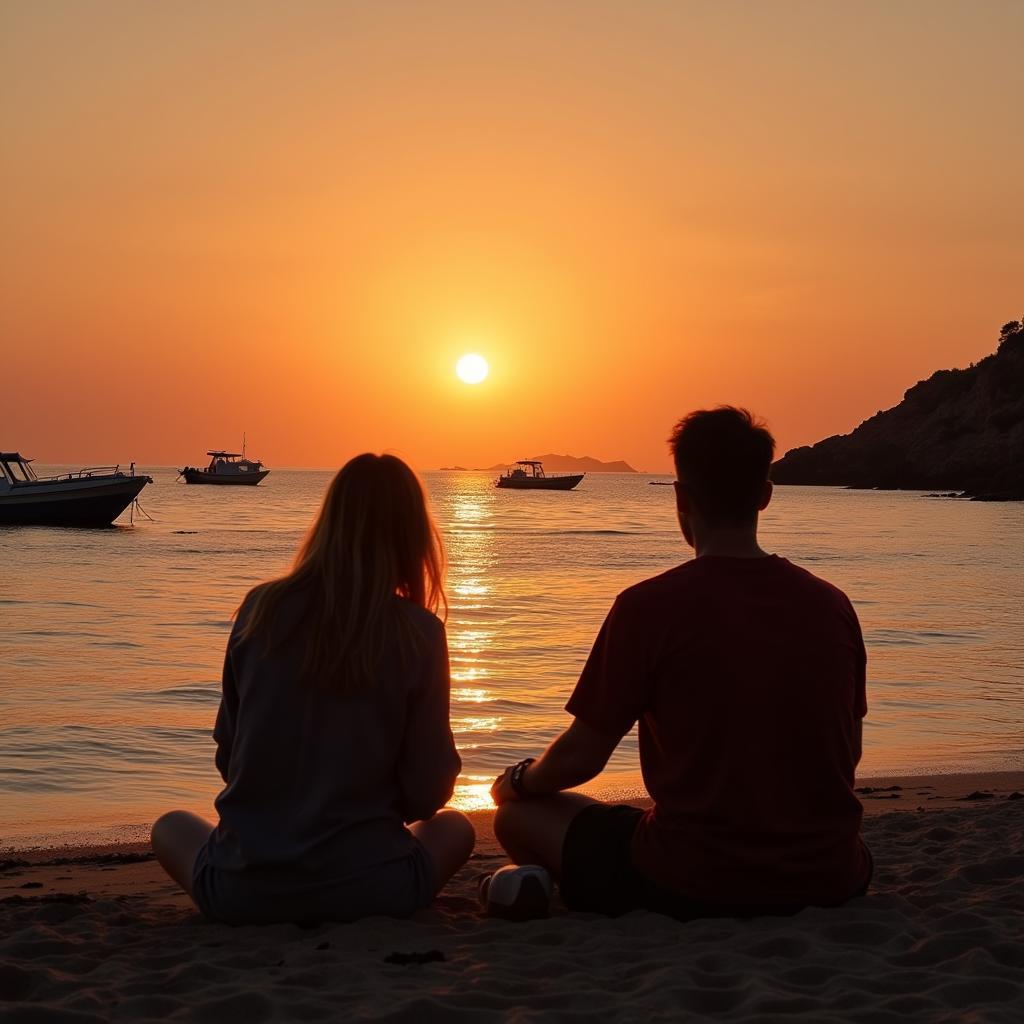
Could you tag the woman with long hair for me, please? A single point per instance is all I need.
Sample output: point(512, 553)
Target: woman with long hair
point(333, 737)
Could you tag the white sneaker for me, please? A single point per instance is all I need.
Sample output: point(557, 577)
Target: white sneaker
point(517, 892)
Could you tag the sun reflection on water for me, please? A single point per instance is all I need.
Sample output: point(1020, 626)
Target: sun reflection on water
point(473, 795)
point(471, 696)
point(473, 723)
point(471, 588)
point(468, 508)
point(471, 641)
point(467, 673)
point(474, 636)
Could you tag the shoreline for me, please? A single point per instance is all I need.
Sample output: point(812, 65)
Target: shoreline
point(877, 793)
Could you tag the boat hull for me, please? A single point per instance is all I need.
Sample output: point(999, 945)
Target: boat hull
point(540, 483)
point(90, 502)
point(201, 476)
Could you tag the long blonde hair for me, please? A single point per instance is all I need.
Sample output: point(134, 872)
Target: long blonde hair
point(373, 540)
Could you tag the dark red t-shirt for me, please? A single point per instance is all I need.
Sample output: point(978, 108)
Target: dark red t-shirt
point(747, 678)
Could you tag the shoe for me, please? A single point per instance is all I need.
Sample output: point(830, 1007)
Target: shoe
point(517, 892)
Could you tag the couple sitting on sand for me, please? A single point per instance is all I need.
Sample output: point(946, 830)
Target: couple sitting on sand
point(745, 673)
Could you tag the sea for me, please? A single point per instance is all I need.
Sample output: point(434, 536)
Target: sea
point(112, 641)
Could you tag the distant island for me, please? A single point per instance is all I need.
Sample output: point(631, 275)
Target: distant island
point(570, 464)
point(959, 430)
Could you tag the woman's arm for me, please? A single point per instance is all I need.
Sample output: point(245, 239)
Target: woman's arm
point(430, 763)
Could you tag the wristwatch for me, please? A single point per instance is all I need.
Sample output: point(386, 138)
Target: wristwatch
point(516, 778)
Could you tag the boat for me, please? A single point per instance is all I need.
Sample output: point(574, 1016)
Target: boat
point(226, 468)
point(529, 475)
point(88, 497)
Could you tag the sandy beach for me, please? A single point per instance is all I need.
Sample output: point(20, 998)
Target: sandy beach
point(99, 934)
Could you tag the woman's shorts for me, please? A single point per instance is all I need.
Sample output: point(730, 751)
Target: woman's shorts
point(264, 896)
point(598, 873)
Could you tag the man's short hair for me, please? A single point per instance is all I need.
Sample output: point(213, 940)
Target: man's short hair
point(723, 457)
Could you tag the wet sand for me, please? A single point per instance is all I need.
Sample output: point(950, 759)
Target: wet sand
point(99, 933)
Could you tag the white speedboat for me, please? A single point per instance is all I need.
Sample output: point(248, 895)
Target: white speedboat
point(226, 468)
point(88, 497)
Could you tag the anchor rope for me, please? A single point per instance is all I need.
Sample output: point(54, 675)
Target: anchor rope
point(136, 504)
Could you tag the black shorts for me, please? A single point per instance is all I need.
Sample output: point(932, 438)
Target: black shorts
point(598, 873)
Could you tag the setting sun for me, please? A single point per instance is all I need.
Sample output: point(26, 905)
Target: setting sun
point(471, 368)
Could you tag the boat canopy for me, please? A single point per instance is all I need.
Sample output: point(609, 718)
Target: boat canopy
point(535, 467)
point(225, 455)
point(15, 469)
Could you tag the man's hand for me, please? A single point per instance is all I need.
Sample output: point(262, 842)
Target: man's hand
point(502, 791)
point(575, 757)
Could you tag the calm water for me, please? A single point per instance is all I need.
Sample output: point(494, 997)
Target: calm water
point(111, 641)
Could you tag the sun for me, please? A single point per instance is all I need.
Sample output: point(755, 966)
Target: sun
point(471, 368)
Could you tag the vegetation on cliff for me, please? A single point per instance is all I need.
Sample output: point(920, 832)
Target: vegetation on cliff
point(958, 430)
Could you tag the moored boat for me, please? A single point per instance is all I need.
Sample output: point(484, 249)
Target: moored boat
point(529, 475)
point(226, 468)
point(88, 497)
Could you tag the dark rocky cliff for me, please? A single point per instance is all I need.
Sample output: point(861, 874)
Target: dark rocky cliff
point(958, 430)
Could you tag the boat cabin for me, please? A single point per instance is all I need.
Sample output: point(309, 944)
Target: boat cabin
point(231, 464)
point(15, 470)
point(528, 468)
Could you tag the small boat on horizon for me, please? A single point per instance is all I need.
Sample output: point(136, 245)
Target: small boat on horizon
point(226, 468)
point(529, 475)
point(89, 497)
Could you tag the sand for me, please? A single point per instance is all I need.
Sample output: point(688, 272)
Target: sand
point(95, 934)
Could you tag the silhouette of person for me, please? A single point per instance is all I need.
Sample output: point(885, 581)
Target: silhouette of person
point(333, 735)
point(746, 675)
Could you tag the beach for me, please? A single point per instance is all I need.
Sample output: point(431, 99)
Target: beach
point(100, 934)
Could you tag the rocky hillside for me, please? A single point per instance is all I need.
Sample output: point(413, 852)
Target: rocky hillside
point(574, 464)
point(958, 430)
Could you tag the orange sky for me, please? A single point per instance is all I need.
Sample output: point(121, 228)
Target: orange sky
point(292, 219)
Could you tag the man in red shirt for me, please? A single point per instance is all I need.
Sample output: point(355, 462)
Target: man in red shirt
point(746, 674)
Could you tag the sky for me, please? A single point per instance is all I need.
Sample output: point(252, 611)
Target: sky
point(290, 220)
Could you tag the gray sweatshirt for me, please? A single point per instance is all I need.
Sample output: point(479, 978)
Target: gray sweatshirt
point(319, 782)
